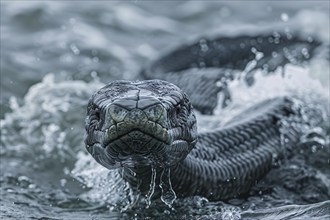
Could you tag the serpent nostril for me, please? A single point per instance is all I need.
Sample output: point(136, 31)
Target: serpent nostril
point(117, 113)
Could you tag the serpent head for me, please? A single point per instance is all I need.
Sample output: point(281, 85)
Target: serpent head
point(130, 124)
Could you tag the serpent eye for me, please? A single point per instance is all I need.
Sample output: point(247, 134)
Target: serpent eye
point(97, 115)
point(176, 114)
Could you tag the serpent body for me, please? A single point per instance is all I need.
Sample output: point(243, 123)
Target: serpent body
point(148, 128)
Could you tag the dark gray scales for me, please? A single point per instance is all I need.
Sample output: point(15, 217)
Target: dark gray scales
point(135, 126)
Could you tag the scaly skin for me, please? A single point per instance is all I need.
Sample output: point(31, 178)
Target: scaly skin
point(135, 126)
point(218, 165)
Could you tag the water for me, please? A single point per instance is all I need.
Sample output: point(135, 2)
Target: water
point(168, 195)
point(56, 54)
point(152, 186)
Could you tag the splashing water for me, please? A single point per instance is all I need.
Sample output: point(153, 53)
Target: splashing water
point(252, 64)
point(107, 187)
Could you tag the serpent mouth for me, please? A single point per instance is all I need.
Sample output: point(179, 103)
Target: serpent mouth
point(139, 141)
point(134, 132)
point(135, 141)
point(137, 136)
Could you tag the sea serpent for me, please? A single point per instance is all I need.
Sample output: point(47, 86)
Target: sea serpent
point(148, 128)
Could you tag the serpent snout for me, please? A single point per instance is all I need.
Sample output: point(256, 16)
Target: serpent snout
point(135, 121)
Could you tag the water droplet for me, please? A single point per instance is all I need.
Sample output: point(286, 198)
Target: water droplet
point(66, 170)
point(270, 40)
point(219, 84)
point(201, 201)
point(274, 54)
point(253, 63)
point(314, 149)
point(74, 49)
point(305, 53)
point(284, 17)
point(203, 45)
point(288, 54)
point(33, 186)
point(63, 182)
point(152, 186)
point(258, 54)
point(95, 76)
point(167, 212)
point(168, 195)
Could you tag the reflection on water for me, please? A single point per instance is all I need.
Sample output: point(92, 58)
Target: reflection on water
point(56, 54)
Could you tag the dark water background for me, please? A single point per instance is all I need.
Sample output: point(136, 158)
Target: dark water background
point(54, 55)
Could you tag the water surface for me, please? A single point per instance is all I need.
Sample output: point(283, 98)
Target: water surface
point(54, 55)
